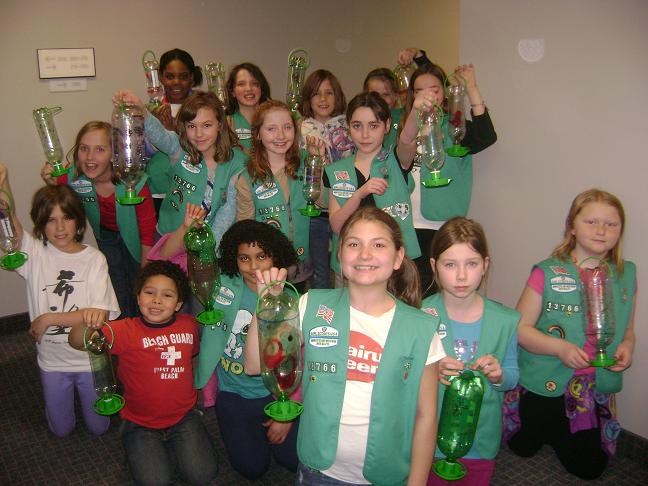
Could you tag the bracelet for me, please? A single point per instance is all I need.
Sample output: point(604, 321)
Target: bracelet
point(478, 104)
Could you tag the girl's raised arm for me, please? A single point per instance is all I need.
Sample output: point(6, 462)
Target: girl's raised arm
point(406, 148)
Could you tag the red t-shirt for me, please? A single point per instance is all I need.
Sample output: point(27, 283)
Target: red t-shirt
point(155, 366)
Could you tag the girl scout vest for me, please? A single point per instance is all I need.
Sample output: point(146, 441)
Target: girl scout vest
point(395, 391)
point(126, 215)
point(272, 207)
point(157, 170)
point(242, 129)
point(214, 338)
point(499, 323)
point(443, 203)
point(395, 202)
point(563, 317)
point(188, 183)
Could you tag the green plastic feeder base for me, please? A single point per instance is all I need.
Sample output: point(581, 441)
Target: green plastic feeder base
point(458, 151)
point(13, 260)
point(602, 360)
point(109, 405)
point(310, 210)
point(59, 171)
point(129, 200)
point(449, 470)
point(283, 410)
point(435, 180)
point(210, 317)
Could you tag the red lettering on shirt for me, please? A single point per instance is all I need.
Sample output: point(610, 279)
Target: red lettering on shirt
point(364, 358)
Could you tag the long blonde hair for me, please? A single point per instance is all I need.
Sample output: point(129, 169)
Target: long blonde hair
point(404, 283)
point(563, 251)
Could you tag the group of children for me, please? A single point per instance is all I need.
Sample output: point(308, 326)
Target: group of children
point(372, 394)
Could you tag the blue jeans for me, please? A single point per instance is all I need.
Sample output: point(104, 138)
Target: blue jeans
point(160, 456)
point(320, 237)
point(312, 477)
point(122, 269)
point(240, 421)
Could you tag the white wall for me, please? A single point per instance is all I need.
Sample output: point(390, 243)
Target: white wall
point(347, 37)
point(571, 121)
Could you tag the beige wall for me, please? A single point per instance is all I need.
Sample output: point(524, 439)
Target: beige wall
point(369, 34)
point(574, 120)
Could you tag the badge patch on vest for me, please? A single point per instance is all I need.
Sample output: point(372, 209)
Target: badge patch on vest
point(300, 251)
point(323, 337)
point(225, 296)
point(398, 211)
point(325, 313)
point(558, 270)
point(341, 175)
point(81, 186)
point(244, 133)
point(430, 310)
point(550, 386)
point(343, 189)
point(442, 331)
point(264, 191)
point(556, 331)
point(407, 366)
point(563, 284)
point(189, 166)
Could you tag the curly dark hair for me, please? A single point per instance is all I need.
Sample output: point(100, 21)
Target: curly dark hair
point(272, 241)
point(168, 269)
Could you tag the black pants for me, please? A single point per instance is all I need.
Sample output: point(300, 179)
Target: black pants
point(543, 421)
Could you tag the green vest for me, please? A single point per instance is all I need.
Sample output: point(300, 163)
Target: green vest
point(562, 316)
point(126, 215)
point(273, 208)
point(395, 391)
point(157, 170)
point(214, 338)
point(443, 203)
point(188, 183)
point(391, 139)
point(395, 202)
point(242, 129)
point(499, 324)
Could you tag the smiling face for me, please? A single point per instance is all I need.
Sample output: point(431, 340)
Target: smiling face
point(247, 89)
point(177, 81)
point(367, 131)
point(60, 231)
point(249, 259)
point(202, 132)
point(158, 300)
point(460, 270)
point(323, 101)
point(384, 89)
point(368, 256)
point(429, 82)
point(94, 156)
point(597, 229)
point(277, 132)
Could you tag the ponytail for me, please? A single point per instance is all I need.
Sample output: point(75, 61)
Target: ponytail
point(405, 283)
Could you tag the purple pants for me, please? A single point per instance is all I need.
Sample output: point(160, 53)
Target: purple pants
point(58, 391)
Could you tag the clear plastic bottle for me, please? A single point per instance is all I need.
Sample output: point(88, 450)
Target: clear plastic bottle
point(129, 159)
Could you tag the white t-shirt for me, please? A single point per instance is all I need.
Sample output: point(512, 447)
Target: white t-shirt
point(64, 282)
point(368, 335)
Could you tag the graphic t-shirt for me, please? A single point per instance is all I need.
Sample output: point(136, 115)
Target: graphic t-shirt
point(64, 282)
point(231, 373)
point(155, 366)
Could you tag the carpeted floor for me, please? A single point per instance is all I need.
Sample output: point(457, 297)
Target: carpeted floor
point(30, 454)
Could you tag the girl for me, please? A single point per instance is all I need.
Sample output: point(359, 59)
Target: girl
point(124, 234)
point(370, 417)
point(250, 438)
point(63, 277)
point(373, 176)
point(178, 74)
point(270, 190)
point(433, 206)
point(247, 87)
point(477, 333)
point(322, 107)
point(383, 82)
point(562, 400)
point(205, 155)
